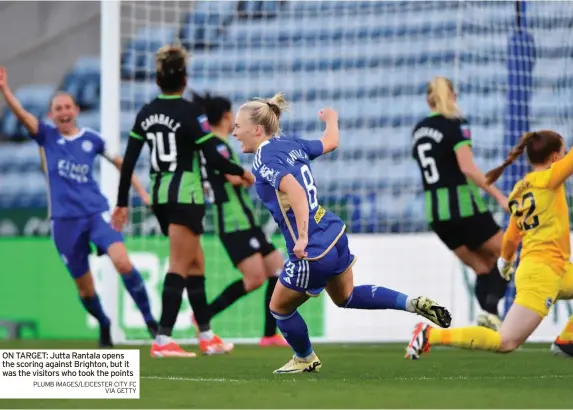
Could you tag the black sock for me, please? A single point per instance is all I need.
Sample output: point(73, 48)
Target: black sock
point(93, 306)
point(270, 321)
point(481, 291)
point(489, 290)
point(198, 301)
point(498, 285)
point(171, 296)
point(230, 295)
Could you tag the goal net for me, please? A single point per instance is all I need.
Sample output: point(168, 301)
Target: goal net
point(370, 61)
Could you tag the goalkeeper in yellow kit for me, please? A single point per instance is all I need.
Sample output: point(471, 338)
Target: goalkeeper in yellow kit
point(540, 220)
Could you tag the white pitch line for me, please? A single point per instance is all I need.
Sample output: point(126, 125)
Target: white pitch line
point(384, 348)
point(191, 379)
point(422, 378)
point(306, 379)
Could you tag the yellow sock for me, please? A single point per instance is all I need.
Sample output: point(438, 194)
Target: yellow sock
point(473, 337)
point(567, 333)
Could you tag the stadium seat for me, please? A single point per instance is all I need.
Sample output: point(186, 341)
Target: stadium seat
point(372, 64)
point(83, 82)
point(138, 58)
point(135, 95)
point(89, 119)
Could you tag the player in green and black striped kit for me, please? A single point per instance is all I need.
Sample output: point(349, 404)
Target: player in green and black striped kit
point(177, 133)
point(455, 209)
point(246, 244)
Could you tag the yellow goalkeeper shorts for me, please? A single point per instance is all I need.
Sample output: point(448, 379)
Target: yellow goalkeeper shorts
point(566, 290)
point(537, 286)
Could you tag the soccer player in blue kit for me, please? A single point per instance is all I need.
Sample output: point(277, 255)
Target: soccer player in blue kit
point(78, 210)
point(319, 257)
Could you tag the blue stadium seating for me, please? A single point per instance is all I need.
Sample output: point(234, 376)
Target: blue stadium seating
point(83, 82)
point(35, 99)
point(138, 59)
point(370, 60)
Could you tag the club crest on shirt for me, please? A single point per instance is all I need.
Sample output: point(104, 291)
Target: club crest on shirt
point(87, 146)
point(61, 141)
point(222, 148)
point(269, 174)
point(204, 123)
point(466, 131)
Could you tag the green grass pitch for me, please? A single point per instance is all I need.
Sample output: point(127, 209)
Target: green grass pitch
point(352, 376)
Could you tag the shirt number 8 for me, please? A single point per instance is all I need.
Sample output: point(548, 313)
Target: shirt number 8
point(311, 190)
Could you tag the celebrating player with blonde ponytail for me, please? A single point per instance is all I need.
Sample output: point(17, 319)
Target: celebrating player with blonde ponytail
point(319, 255)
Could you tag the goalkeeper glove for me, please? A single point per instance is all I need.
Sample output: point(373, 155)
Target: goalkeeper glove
point(505, 268)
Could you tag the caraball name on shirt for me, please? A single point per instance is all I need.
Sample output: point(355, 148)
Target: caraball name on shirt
point(160, 119)
point(71, 170)
point(294, 155)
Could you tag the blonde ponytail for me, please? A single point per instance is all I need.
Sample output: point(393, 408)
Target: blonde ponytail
point(438, 94)
point(266, 112)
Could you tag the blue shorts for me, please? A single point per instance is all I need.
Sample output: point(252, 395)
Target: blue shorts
point(311, 277)
point(73, 236)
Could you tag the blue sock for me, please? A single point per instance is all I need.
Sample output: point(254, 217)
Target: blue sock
point(371, 297)
point(94, 308)
point(133, 282)
point(295, 332)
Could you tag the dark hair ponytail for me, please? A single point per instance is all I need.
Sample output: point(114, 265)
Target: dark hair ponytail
point(213, 107)
point(538, 146)
point(171, 68)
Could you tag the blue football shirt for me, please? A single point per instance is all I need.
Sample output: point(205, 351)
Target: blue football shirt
point(69, 161)
point(278, 157)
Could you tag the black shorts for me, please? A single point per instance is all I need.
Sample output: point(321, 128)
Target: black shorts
point(189, 215)
point(242, 244)
point(472, 232)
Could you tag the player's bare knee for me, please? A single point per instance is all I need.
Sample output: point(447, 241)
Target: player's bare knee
point(195, 266)
point(85, 288)
point(340, 301)
point(508, 345)
point(492, 261)
point(479, 266)
point(276, 307)
point(86, 292)
point(254, 280)
point(123, 265)
point(181, 265)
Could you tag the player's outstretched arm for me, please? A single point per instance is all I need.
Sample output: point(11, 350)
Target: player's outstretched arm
point(118, 162)
point(29, 121)
point(299, 204)
point(331, 134)
point(561, 170)
point(469, 168)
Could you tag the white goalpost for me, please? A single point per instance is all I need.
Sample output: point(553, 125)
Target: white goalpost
point(370, 60)
point(110, 52)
